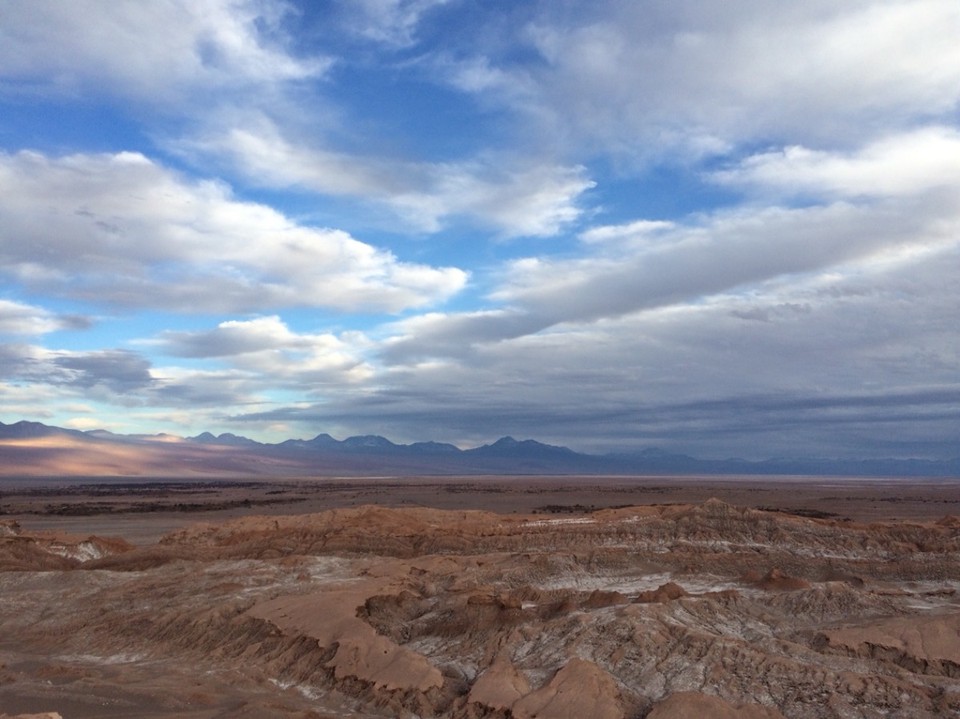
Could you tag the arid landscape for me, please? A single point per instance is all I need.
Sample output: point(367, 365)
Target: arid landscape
point(481, 597)
point(444, 359)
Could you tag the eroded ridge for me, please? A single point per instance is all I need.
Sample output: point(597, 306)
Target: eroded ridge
point(670, 611)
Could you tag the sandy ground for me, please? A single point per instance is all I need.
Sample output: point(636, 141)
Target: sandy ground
point(142, 511)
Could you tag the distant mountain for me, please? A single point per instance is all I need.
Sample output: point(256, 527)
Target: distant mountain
point(529, 456)
point(528, 448)
point(31, 448)
point(368, 442)
point(432, 448)
point(226, 438)
point(33, 430)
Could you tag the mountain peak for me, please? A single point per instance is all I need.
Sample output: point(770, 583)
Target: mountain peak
point(25, 429)
point(368, 441)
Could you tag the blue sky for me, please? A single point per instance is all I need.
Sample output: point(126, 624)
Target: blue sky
point(724, 229)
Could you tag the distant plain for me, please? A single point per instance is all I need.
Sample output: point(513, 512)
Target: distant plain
point(142, 510)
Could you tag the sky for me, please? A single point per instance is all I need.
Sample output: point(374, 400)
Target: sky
point(726, 229)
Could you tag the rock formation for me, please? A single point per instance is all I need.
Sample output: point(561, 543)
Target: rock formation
point(649, 612)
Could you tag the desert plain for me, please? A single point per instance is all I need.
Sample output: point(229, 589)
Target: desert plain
point(523, 597)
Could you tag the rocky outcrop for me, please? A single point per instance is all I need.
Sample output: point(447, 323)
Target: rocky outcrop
point(776, 581)
point(662, 594)
point(693, 705)
point(926, 644)
point(500, 686)
point(330, 618)
point(20, 551)
point(579, 689)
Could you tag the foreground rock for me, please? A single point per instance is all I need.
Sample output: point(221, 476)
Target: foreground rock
point(674, 611)
point(692, 705)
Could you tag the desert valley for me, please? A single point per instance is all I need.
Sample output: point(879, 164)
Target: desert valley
point(620, 597)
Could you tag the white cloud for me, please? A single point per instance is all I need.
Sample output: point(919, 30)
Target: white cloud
point(904, 164)
point(393, 22)
point(659, 79)
point(154, 51)
point(17, 318)
point(730, 250)
point(82, 423)
point(901, 209)
point(535, 200)
point(120, 229)
point(267, 348)
point(636, 232)
point(514, 196)
point(458, 334)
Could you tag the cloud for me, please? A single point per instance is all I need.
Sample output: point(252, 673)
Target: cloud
point(56, 378)
point(907, 163)
point(667, 79)
point(205, 392)
point(230, 90)
point(813, 310)
point(833, 365)
point(233, 337)
point(880, 207)
point(750, 250)
point(120, 371)
point(393, 22)
point(732, 249)
point(636, 232)
point(156, 52)
point(17, 318)
point(536, 200)
point(122, 230)
point(514, 196)
point(273, 355)
point(103, 372)
point(437, 334)
point(757, 330)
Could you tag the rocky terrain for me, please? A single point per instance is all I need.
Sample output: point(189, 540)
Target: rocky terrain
point(681, 610)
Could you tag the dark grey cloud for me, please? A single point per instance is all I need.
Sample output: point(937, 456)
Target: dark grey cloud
point(859, 364)
point(203, 392)
point(18, 360)
point(458, 334)
point(758, 427)
point(228, 339)
point(120, 371)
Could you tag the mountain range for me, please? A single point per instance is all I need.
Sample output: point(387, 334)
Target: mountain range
point(35, 449)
